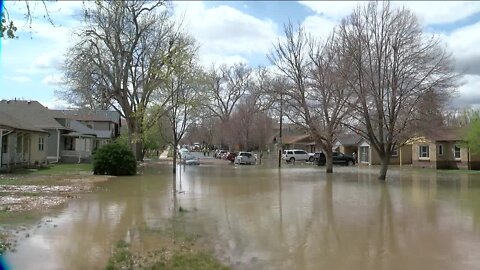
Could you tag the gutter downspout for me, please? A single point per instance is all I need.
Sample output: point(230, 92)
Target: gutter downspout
point(58, 145)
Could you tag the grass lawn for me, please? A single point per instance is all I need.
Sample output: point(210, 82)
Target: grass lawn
point(58, 169)
point(50, 175)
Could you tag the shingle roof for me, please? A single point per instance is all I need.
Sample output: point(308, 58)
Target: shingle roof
point(88, 115)
point(9, 121)
point(446, 134)
point(349, 139)
point(295, 139)
point(80, 128)
point(32, 113)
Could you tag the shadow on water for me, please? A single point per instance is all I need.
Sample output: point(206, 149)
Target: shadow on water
point(262, 217)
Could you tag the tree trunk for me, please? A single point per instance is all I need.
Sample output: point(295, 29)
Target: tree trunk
point(384, 167)
point(135, 138)
point(329, 160)
point(174, 166)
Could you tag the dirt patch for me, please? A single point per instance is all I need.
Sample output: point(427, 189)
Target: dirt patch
point(22, 194)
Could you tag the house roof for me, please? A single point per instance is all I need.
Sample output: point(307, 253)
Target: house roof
point(7, 120)
point(80, 129)
point(349, 139)
point(295, 139)
point(445, 134)
point(32, 113)
point(89, 115)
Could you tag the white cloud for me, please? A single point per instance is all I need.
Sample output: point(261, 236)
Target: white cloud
point(208, 59)
point(48, 60)
point(429, 12)
point(226, 31)
point(318, 26)
point(468, 93)
point(19, 79)
point(53, 79)
point(463, 43)
point(55, 103)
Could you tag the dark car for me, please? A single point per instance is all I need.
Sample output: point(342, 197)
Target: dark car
point(338, 158)
point(342, 159)
point(231, 156)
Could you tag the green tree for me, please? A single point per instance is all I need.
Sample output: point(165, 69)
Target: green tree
point(472, 137)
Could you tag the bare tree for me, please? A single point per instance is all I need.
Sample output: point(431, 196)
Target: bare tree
point(317, 98)
point(183, 98)
point(224, 88)
point(394, 65)
point(124, 54)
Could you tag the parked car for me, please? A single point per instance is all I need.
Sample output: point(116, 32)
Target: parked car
point(220, 153)
point(231, 156)
point(190, 160)
point(183, 152)
point(245, 158)
point(295, 155)
point(342, 159)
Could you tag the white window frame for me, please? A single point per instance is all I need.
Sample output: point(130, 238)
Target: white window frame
point(455, 152)
point(427, 157)
point(41, 143)
point(440, 150)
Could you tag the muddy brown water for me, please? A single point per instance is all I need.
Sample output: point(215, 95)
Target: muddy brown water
point(257, 217)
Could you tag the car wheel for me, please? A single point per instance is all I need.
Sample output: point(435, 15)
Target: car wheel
point(292, 159)
point(311, 159)
point(350, 163)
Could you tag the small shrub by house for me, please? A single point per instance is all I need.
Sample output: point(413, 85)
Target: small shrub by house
point(114, 159)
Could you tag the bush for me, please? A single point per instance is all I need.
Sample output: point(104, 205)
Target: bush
point(114, 159)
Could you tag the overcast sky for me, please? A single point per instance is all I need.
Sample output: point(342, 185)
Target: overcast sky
point(227, 32)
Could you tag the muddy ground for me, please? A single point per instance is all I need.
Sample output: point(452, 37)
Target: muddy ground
point(23, 196)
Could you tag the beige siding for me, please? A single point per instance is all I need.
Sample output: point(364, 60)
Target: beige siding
point(38, 156)
point(424, 162)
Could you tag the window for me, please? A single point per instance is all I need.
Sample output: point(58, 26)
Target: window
point(440, 149)
point(456, 151)
point(41, 143)
point(424, 151)
point(5, 144)
point(364, 152)
point(300, 152)
point(395, 151)
point(69, 144)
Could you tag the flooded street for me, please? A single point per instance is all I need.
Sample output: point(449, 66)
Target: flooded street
point(259, 217)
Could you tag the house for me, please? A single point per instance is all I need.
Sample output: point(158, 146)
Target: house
point(21, 144)
point(36, 116)
point(442, 148)
point(71, 135)
point(368, 156)
point(347, 143)
point(106, 125)
point(303, 142)
point(89, 131)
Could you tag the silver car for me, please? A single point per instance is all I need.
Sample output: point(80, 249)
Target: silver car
point(245, 158)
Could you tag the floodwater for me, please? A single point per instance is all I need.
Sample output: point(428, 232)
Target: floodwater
point(259, 217)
